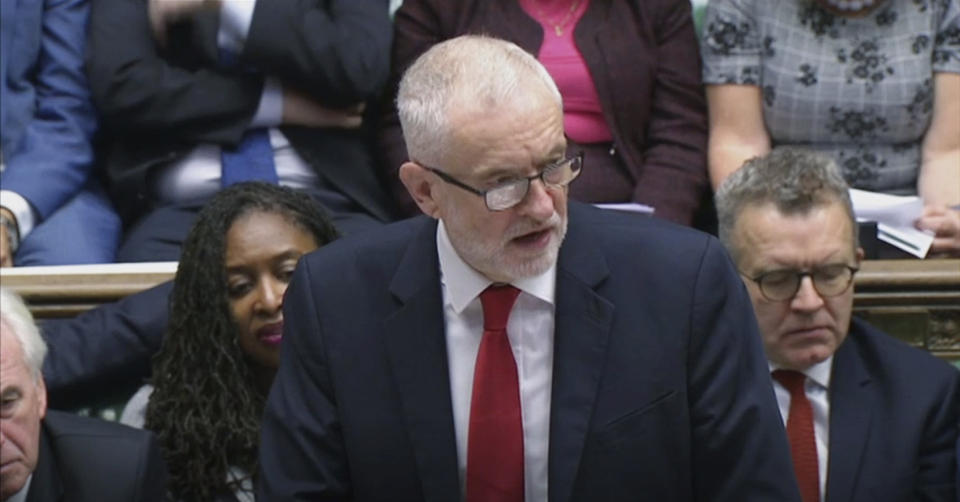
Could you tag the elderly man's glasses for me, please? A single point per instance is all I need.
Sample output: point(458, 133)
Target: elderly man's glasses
point(782, 285)
point(510, 193)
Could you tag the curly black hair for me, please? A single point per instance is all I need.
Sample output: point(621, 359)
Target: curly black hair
point(205, 407)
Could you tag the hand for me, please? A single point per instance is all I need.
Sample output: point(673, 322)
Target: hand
point(945, 223)
point(165, 12)
point(6, 257)
point(300, 109)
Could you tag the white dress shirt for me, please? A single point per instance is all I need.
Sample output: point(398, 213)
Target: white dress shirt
point(817, 388)
point(530, 330)
point(21, 496)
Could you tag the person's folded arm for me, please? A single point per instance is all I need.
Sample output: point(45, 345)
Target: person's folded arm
point(336, 51)
point(674, 162)
point(737, 131)
point(137, 90)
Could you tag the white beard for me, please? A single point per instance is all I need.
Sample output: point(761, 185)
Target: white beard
point(497, 260)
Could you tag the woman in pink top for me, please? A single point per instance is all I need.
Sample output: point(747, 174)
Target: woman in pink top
point(628, 72)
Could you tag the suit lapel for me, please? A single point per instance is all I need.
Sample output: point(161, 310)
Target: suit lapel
point(45, 486)
point(583, 323)
point(851, 400)
point(416, 347)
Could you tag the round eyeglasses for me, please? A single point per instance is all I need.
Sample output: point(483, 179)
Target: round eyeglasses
point(782, 285)
point(505, 195)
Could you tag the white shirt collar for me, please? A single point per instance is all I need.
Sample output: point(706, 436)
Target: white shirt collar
point(21, 496)
point(463, 283)
point(819, 373)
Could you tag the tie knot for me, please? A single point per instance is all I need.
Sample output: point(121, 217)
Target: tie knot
point(791, 380)
point(497, 301)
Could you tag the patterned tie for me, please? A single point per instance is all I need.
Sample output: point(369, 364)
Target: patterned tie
point(252, 158)
point(495, 439)
point(803, 443)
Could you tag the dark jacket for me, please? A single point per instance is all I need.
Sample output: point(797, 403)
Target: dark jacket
point(660, 389)
point(89, 460)
point(893, 421)
point(157, 104)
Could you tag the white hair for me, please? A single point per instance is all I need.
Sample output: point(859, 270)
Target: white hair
point(16, 316)
point(470, 71)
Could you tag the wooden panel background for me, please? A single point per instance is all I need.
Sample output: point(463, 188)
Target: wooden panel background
point(915, 300)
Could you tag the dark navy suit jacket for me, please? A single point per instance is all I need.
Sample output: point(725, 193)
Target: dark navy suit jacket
point(660, 386)
point(46, 116)
point(88, 460)
point(893, 421)
point(104, 354)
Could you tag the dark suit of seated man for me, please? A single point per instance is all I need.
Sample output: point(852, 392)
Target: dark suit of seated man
point(516, 350)
point(51, 456)
point(869, 418)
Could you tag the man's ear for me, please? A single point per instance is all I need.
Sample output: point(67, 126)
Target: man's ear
point(41, 396)
point(419, 185)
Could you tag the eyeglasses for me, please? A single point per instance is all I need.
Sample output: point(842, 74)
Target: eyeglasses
point(510, 193)
point(828, 280)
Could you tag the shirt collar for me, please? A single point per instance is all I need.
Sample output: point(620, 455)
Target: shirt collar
point(463, 283)
point(21, 496)
point(819, 373)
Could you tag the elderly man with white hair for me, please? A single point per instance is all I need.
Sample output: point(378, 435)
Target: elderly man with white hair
point(51, 456)
point(509, 346)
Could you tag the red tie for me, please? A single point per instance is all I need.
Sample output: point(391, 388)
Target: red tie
point(495, 440)
point(803, 443)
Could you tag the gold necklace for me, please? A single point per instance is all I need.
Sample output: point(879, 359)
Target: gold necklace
point(558, 27)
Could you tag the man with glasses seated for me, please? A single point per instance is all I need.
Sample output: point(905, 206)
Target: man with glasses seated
point(511, 346)
point(868, 418)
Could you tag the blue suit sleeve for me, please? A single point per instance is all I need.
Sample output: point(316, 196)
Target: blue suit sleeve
point(53, 156)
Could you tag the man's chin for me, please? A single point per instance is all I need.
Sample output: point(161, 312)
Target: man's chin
point(803, 359)
point(530, 266)
point(14, 476)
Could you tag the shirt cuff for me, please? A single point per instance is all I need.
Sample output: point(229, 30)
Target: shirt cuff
point(270, 111)
point(21, 209)
point(235, 19)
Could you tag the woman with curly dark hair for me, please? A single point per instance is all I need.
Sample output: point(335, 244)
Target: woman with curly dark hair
point(221, 349)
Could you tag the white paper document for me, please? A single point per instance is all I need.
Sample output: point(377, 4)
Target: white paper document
point(894, 215)
point(630, 207)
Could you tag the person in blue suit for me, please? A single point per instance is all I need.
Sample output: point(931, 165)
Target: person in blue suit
point(880, 417)
point(49, 194)
point(628, 367)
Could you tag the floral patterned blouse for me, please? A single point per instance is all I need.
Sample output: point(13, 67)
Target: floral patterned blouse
point(858, 89)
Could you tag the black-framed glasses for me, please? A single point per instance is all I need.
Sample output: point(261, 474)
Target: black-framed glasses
point(828, 280)
point(510, 193)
